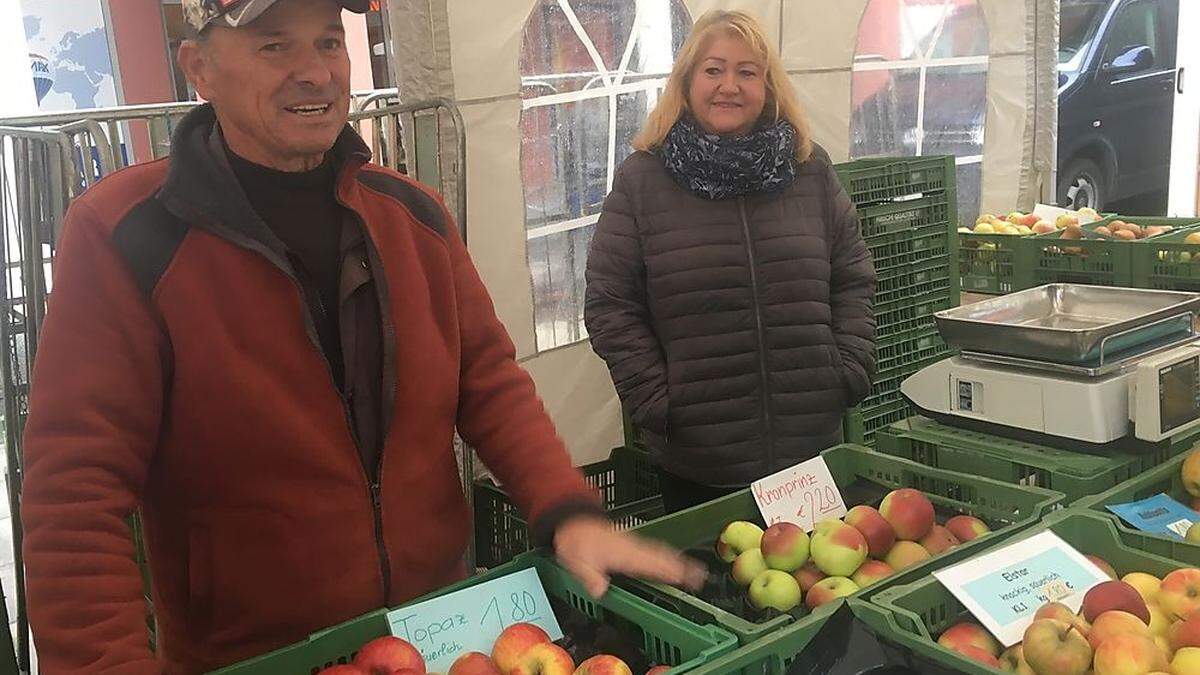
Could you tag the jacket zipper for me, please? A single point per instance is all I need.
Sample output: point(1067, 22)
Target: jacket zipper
point(304, 281)
point(761, 335)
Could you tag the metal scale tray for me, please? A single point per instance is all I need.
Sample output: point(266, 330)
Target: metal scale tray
point(1071, 328)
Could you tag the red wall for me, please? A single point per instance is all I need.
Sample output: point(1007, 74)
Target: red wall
point(142, 59)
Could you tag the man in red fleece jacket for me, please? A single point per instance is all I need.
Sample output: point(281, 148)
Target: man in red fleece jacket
point(266, 344)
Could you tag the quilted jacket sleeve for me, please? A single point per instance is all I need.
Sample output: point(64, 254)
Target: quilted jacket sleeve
point(851, 293)
point(93, 426)
point(617, 313)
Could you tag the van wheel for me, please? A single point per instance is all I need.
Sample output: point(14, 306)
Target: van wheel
point(1082, 184)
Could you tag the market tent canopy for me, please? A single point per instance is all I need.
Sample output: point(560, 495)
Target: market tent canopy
point(552, 90)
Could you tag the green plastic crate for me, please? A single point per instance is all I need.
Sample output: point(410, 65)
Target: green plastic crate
point(902, 320)
point(884, 179)
point(1096, 260)
point(861, 425)
point(1166, 263)
point(913, 615)
point(987, 263)
point(1164, 478)
point(627, 480)
point(1072, 473)
point(666, 638)
point(863, 476)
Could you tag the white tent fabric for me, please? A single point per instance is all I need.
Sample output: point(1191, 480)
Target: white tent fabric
point(470, 50)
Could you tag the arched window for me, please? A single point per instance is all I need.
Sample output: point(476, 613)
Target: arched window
point(591, 70)
point(920, 86)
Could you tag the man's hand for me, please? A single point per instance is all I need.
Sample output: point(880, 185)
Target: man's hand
point(593, 551)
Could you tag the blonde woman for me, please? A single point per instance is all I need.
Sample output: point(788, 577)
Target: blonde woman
point(728, 286)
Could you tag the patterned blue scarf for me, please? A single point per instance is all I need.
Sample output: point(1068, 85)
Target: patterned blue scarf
point(720, 167)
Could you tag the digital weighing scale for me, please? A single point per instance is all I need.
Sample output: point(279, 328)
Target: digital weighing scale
point(1089, 367)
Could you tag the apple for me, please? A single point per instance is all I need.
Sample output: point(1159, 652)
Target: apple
point(1192, 239)
point(1016, 218)
point(1113, 623)
point(658, 670)
point(967, 528)
point(408, 671)
point(1145, 584)
point(1159, 623)
point(1129, 654)
point(1013, 661)
point(385, 655)
point(1193, 533)
point(909, 512)
point(544, 658)
point(978, 655)
point(1163, 645)
point(515, 641)
point(737, 538)
point(872, 571)
point(1179, 594)
point(1065, 220)
point(1043, 227)
point(342, 669)
point(837, 548)
point(985, 228)
point(1185, 633)
point(747, 566)
point(1052, 646)
point(775, 589)
point(1190, 471)
point(808, 576)
point(785, 547)
point(603, 664)
point(474, 663)
point(985, 218)
point(938, 540)
point(1103, 565)
point(969, 633)
point(1029, 220)
point(874, 527)
point(1059, 611)
point(906, 554)
point(1088, 212)
point(1111, 595)
point(1186, 661)
point(828, 590)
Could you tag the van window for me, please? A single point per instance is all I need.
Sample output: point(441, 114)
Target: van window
point(1135, 25)
point(1078, 22)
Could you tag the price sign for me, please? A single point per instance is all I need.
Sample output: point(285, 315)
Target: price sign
point(1158, 514)
point(804, 494)
point(471, 619)
point(1004, 588)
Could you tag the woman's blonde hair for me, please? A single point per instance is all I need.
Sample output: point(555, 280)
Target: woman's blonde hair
point(781, 100)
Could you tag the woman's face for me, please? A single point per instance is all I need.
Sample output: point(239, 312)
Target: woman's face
point(728, 88)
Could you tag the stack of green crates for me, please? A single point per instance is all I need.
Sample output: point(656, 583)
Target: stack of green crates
point(1167, 263)
point(1074, 474)
point(908, 208)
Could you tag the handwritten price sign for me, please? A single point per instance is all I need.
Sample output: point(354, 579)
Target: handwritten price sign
point(804, 494)
point(471, 619)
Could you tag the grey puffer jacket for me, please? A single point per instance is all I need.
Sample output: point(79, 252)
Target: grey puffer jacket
point(737, 332)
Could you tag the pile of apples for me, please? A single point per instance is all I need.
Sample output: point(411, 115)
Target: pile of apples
point(781, 566)
point(1138, 625)
point(521, 649)
point(1123, 231)
point(1017, 223)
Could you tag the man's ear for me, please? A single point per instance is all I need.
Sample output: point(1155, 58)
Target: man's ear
point(196, 63)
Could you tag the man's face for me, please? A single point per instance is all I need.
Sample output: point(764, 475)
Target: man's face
point(280, 86)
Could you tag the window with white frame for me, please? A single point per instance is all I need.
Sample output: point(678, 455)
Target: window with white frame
point(591, 70)
point(920, 86)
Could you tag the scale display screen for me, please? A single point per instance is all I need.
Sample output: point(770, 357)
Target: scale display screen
point(1179, 393)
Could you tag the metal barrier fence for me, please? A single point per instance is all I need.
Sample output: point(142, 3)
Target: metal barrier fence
point(47, 160)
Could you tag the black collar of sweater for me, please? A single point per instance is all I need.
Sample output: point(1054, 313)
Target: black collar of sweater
point(201, 185)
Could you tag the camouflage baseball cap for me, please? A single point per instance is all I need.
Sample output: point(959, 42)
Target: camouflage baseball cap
point(201, 14)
